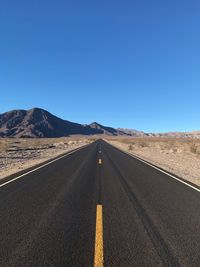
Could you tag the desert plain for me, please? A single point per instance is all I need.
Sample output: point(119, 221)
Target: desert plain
point(180, 156)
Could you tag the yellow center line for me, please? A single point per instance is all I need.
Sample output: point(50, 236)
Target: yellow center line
point(98, 253)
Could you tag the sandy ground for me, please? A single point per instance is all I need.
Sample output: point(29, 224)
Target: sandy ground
point(179, 156)
point(19, 154)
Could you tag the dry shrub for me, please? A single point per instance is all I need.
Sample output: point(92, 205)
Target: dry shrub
point(194, 148)
point(143, 144)
point(4, 145)
point(130, 147)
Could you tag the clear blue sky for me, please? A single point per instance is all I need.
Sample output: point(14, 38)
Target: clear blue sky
point(133, 64)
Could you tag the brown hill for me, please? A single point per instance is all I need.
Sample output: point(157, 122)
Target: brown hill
point(104, 129)
point(39, 123)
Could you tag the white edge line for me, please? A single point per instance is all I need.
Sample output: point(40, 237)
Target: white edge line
point(157, 168)
point(40, 167)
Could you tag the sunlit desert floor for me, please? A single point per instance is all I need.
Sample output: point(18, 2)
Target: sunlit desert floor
point(17, 154)
point(179, 156)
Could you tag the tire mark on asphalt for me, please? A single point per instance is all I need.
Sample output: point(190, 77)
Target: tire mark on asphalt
point(164, 252)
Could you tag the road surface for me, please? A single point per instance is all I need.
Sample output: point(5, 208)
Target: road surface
point(98, 207)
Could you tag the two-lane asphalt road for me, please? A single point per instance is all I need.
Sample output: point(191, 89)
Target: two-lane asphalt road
point(99, 207)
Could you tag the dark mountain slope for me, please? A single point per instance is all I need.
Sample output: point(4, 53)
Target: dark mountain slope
point(104, 129)
point(39, 123)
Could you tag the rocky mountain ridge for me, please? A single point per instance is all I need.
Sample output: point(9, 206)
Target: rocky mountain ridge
point(38, 122)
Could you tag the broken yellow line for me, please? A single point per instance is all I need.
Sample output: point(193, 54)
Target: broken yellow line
point(98, 255)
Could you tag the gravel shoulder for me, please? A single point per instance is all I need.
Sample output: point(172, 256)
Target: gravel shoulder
point(20, 154)
point(178, 156)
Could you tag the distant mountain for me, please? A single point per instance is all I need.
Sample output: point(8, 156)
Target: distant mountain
point(104, 129)
point(195, 134)
point(136, 133)
point(131, 132)
point(38, 122)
